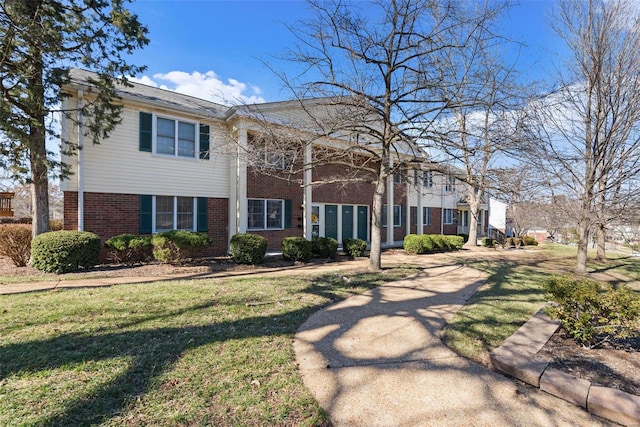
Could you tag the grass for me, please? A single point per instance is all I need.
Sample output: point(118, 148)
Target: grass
point(205, 352)
point(513, 293)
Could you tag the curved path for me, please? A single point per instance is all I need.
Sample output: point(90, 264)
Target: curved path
point(376, 360)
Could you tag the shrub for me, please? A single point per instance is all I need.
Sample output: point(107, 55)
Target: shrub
point(455, 242)
point(178, 245)
point(296, 249)
point(465, 238)
point(354, 247)
point(248, 248)
point(413, 244)
point(65, 251)
point(529, 241)
point(488, 242)
point(593, 313)
point(439, 242)
point(428, 243)
point(129, 248)
point(15, 243)
point(56, 224)
point(324, 247)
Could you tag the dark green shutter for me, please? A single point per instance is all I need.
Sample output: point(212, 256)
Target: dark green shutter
point(146, 124)
point(403, 215)
point(204, 142)
point(146, 214)
point(203, 217)
point(414, 215)
point(288, 213)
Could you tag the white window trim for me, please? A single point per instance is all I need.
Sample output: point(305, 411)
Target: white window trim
point(444, 219)
point(427, 178)
point(175, 213)
point(426, 218)
point(384, 217)
point(265, 228)
point(154, 136)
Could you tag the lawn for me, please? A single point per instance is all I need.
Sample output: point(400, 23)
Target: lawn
point(205, 352)
point(513, 293)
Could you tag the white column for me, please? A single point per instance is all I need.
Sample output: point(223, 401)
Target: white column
point(419, 215)
point(241, 206)
point(80, 164)
point(407, 213)
point(390, 206)
point(307, 196)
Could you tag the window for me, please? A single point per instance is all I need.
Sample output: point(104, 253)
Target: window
point(397, 215)
point(175, 138)
point(174, 213)
point(448, 216)
point(450, 184)
point(427, 179)
point(264, 214)
point(479, 217)
point(397, 178)
point(426, 216)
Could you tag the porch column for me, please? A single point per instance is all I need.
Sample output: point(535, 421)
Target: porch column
point(238, 186)
point(390, 206)
point(307, 196)
point(407, 213)
point(419, 214)
point(80, 163)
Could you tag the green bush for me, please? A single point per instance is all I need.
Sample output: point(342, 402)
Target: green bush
point(413, 244)
point(488, 242)
point(440, 243)
point(593, 313)
point(296, 249)
point(129, 248)
point(529, 241)
point(324, 247)
point(178, 245)
point(455, 242)
point(15, 243)
point(248, 248)
point(65, 251)
point(354, 247)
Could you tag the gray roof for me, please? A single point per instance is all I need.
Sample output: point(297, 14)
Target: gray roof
point(156, 96)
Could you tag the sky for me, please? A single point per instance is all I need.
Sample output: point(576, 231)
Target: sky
point(217, 49)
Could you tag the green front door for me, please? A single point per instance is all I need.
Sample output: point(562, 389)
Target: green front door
point(331, 221)
point(347, 222)
point(363, 223)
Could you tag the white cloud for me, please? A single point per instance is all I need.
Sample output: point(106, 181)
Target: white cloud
point(207, 86)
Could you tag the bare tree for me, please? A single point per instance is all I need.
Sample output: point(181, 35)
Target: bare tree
point(484, 97)
point(587, 133)
point(376, 65)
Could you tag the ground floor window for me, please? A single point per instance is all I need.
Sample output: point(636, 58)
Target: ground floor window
point(265, 214)
point(426, 216)
point(174, 213)
point(397, 215)
point(447, 216)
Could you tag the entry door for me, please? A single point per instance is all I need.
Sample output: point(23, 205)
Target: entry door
point(347, 222)
point(331, 221)
point(363, 223)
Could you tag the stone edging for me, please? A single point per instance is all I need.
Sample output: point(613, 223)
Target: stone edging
point(516, 357)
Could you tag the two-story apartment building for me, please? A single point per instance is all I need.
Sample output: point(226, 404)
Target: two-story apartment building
point(179, 162)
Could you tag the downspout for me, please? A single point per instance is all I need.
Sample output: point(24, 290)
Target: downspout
point(80, 164)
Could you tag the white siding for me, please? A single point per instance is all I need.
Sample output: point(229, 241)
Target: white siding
point(117, 166)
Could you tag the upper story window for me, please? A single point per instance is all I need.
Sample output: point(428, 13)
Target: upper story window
point(427, 179)
point(450, 184)
point(173, 137)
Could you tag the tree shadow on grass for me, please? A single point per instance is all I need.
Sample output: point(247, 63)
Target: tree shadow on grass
point(152, 351)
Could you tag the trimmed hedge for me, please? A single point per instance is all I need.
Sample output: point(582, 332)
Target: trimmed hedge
point(129, 248)
point(429, 243)
point(178, 245)
point(65, 251)
point(296, 249)
point(15, 243)
point(591, 312)
point(324, 247)
point(248, 248)
point(354, 247)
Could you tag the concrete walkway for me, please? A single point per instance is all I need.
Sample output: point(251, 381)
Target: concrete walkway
point(376, 360)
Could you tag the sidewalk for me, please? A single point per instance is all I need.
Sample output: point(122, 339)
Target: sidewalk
point(376, 360)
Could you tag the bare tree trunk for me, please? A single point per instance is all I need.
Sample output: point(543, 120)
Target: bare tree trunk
point(601, 232)
point(583, 245)
point(474, 197)
point(375, 256)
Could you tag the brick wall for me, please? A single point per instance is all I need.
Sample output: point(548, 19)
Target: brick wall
point(109, 215)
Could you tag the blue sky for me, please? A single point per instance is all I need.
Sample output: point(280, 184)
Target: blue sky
point(215, 48)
